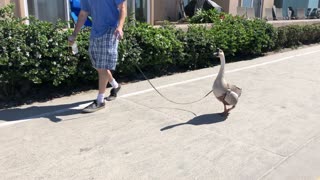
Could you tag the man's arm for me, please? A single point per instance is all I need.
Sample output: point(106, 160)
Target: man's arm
point(122, 17)
point(83, 15)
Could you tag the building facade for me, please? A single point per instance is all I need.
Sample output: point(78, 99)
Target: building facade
point(294, 4)
point(48, 10)
point(51, 10)
point(19, 11)
point(150, 11)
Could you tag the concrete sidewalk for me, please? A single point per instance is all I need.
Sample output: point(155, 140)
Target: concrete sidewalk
point(273, 133)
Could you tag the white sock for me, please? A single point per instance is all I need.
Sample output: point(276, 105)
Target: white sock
point(100, 98)
point(114, 83)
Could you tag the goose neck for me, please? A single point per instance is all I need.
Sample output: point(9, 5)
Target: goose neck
point(223, 62)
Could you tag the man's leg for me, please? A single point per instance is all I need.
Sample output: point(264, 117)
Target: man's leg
point(111, 80)
point(115, 86)
point(99, 102)
point(103, 80)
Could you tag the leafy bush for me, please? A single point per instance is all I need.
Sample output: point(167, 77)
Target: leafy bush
point(236, 35)
point(155, 50)
point(85, 73)
point(199, 47)
point(11, 49)
point(158, 47)
point(295, 35)
point(209, 16)
point(129, 52)
point(38, 53)
point(258, 37)
point(50, 59)
point(35, 53)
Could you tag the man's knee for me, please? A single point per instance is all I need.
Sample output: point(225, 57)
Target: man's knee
point(102, 71)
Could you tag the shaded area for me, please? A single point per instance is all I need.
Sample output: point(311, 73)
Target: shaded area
point(33, 112)
point(26, 93)
point(201, 120)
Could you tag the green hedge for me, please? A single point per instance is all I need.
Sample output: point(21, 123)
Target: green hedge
point(236, 35)
point(153, 49)
point(38, 53)
point(32, 54)
point(295, 35)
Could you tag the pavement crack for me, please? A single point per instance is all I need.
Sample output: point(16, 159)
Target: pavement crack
point(85, 149)
point(312, 139)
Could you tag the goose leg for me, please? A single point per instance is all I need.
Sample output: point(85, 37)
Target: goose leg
point(225, 111)
point(231, 108)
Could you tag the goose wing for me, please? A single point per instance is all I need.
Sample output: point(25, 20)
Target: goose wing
point(235, 89)
point(231, 98)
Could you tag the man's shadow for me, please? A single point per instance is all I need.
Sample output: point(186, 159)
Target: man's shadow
point(201, 120)
point(33, 112)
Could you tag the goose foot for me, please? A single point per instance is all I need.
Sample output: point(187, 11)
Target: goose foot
point(224, 114)
point(226, 111)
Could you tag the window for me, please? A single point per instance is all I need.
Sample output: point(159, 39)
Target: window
point(313, 3)
point(294, 4)
point(48, 10)
point(186, 2)
point(139, 9)
point(256, 4)
point(247, 3)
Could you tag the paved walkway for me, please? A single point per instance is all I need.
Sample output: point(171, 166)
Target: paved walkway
point(273, 133)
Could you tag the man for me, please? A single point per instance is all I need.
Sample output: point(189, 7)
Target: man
point(107, 29)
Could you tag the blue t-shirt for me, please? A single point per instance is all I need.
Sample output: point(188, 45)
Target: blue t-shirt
point(104, 13)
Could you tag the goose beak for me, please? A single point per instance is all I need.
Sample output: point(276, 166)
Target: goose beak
point(217, 52)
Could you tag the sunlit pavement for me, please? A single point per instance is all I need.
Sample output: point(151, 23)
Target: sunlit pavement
point(273, 133)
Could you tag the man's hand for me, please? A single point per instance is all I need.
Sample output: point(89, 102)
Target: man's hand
point(71, 39)
point(83, 15)
point(118, 33)
point(123, 13)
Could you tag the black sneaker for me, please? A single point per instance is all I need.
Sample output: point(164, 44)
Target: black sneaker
point(93, 107)
point(113, 93)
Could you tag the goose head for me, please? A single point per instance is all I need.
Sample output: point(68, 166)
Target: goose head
point(219, 53)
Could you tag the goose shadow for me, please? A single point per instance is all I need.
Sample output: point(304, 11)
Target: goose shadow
point(200, 120)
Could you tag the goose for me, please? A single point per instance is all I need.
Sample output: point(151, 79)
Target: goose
point(227, 93)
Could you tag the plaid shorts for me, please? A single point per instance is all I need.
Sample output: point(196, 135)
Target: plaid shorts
point(103, 51)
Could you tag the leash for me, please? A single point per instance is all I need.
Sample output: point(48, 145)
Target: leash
point(145, 77)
